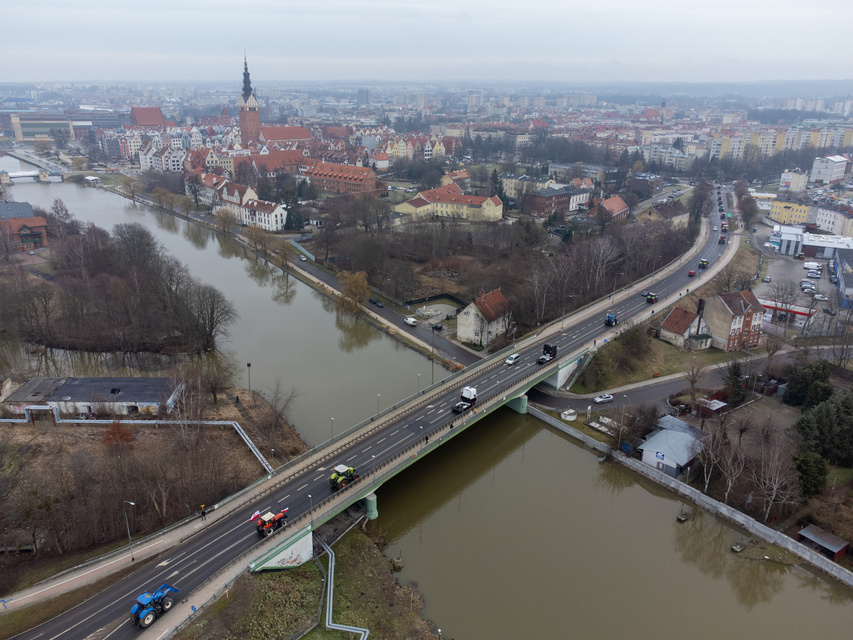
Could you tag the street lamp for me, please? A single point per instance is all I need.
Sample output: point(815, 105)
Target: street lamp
point(249, 369)
point(377, 404)
point(127, 523)
point(419, 383)
point(311, 501)
point(615, 279)
point(333, 427)
point(272, 455)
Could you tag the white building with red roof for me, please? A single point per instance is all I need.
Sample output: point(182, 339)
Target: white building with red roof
point(449, 201)
point(485, 319)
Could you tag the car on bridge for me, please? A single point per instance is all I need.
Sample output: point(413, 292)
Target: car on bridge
point(515, 357)
point(461, 407)
point(603, 398)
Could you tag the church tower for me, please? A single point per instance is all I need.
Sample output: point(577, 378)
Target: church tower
point(250, 119)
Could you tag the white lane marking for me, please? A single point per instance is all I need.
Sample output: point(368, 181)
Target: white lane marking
point(396, 432)
point(302, 487)
point(285, 498)
point(315, 479)
point(381, 441)
point(366, 450)
point(352, 457)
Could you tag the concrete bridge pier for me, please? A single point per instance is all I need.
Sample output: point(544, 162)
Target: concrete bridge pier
point(519, 404)
point(370, 506)
point(44, 176)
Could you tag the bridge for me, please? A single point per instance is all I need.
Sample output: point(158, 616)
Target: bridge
point(379, 448)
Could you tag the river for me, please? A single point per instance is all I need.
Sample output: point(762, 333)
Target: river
point(514, 530)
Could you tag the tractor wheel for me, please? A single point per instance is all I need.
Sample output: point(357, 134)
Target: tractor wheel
point(268, 531)
point(147, 620)
point(167, 604)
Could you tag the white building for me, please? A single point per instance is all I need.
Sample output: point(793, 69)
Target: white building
point(484, 320)
point(269, 216)
point(793, 181)
point(829, 169)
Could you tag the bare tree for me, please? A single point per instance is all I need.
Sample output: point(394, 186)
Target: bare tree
point(225, 219)
point(773, 344)
point(693, 375)
point(774, 474)
point(731, 462)
point(708, 453)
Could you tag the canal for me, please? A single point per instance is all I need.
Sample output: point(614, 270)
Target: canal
point(514, 530)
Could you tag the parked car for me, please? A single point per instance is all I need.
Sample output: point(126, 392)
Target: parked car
point(830, 311)
point(437, 327)
point(515, 357)
point(603, 398)
point(813, 275)
point(766, 279)
point(820, 297)
point(833, 279)
point(31, 253)
point(303, 259)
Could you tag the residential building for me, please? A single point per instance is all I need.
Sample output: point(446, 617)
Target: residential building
point(484, 320)
point(793, 181)
point(646, 185)
point(788, 211)
point(209, 184)
point(269, 216)
point(828, 170)
point(674, 212)
point(833, 218)
point(686, 330)
point(233, 196)
point(449, 202)
point(461, 178)
point(616, 207)
point(20, 230)
point(734, 320)
point(672, 446)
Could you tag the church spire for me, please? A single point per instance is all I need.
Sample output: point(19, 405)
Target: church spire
point(247, 83)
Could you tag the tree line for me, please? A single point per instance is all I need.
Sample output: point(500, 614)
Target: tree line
point(118, 291)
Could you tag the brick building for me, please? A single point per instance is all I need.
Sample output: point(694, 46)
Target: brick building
point(734, 320)
point(342, 178)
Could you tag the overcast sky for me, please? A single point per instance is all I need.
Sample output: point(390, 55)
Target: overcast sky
point(467, 40)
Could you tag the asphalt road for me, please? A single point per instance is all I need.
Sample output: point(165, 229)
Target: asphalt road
point(188, 565)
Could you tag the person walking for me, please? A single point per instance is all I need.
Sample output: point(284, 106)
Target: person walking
point(203, 513)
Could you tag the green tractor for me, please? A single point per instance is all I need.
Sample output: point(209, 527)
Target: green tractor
point(342, 475)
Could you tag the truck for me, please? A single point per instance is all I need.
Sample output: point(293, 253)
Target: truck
point(549, 352)
point(611, 319)
point(342, 475)
point(467, 399)
point(149, 606)
point(270, 522)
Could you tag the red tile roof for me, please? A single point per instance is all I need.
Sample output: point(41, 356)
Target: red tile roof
point(15, 224)
point(615, 205)
point(739, 302)
point(147, 117)
point(492, 305)
point(285, 133)
point(679, 321)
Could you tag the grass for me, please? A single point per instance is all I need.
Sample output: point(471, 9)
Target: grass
point(275, 605)
point(663, 359)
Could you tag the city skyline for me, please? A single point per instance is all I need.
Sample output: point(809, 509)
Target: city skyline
point(379, 40)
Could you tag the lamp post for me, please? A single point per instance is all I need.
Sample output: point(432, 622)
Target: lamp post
point(127, 524)
point(333, 427)
point(615, 279)
point(272, 455)
point(419, 383)
point(432, 360)
point(377, 403)
point(311, 501)
point(249, 369)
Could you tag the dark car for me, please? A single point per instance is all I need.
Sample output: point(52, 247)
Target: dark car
point(543, 359)
point(373, 300)
point(437, 327)
point(461, 407)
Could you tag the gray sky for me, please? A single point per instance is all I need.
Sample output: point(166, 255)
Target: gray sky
point(489, 40)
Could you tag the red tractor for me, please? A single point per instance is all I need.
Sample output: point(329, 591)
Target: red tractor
point(269, 523)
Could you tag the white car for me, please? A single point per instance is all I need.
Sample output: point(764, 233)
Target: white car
point(820, 297)
point(513, 358)
point(604, 397)
point(715, 228)
point(412, 322)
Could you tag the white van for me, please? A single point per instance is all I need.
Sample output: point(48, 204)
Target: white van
point(812, 265)
point(412, 322)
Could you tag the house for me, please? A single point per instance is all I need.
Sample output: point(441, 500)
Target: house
point(674, 212)
point(341, 178)
point(734, 320)
point(824, 542)
point(617, 208)
point(269, 216)
point(484, 320)
point(646, 185)
point(685, 330)
point(209, 186)
point(233, 196)
point(20, 233)
point(461, 177)
point(120, 396)
point(672, 447)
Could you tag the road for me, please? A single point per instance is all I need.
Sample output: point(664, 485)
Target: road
point(188, 565)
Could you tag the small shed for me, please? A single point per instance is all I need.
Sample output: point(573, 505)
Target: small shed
point(670, 451)
point(709, 407)
point(829, 545)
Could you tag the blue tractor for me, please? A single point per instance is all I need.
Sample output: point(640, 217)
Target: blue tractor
point(611, 319)
point(150, 606)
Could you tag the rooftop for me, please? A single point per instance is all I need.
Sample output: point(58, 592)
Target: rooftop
point(92, 390)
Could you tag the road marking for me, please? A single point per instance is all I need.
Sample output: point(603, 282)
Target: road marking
point(315, 479)
point(285, 498)
point(396, 432)
point(383, 440)
point(351, 457)
point(302, 487)
point(367, 449)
